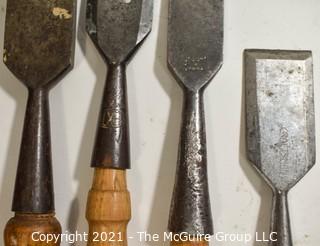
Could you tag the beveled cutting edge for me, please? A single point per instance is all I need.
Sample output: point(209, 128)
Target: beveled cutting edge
point(280, 125)
point(195, 50)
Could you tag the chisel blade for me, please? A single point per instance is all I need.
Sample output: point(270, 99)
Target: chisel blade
point(280, 115)
point(195, 41)
point(39, 39)
point(118, 27)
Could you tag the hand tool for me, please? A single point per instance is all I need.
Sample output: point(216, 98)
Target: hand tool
point(280, 125)
point(195, 54)
point(117, 28)
point(38, 50)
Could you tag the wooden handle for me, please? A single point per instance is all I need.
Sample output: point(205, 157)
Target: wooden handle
point(193, 243)
point(25, 230)
point(108, 208)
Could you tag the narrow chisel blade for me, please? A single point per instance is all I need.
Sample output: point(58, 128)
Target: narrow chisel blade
point(195, 40)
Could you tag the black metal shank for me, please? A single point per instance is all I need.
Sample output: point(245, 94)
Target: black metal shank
point(38, 50)
point(195, 54)
point(280, 221)
point(112, 138)
point(190, 207)
point(34, 184)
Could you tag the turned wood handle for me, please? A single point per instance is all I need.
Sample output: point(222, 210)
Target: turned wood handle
point(193, 243)
point(25, 229)
point(108, 208)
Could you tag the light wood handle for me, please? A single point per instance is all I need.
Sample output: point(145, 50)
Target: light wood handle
point(108, 208)
point(193, 243)
point(25, 230)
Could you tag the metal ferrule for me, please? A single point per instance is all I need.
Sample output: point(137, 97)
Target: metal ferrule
point(34, 183)
point(112, 137)
point(190, 207)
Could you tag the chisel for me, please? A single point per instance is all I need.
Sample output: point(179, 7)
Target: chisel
point(280, 126)
point(38, 50)
point(117, 28)
point(195, 54)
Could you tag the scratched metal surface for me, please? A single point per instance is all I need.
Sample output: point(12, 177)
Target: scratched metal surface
point(195, 48)
point(195, 40)
point(117, 27)
point(280, 115)
point(39, 39)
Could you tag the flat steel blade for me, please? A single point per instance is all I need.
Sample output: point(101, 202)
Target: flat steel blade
point(39, 39)
point(195, 40)
point(118, 27)
point(280, 115)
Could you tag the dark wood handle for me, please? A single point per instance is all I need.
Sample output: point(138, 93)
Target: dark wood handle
point(108, 208)
point(193, 243)
point(24, 230)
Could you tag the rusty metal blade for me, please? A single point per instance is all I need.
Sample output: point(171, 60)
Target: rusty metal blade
point(195, 40)
point(280, 114)
point(39, 39)
point(118, 27)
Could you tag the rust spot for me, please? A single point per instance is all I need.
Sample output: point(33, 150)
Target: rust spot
point(61, 13)
point(107, 160)
point(270, 93)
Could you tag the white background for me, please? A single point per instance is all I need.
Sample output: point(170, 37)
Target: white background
point(241, 201)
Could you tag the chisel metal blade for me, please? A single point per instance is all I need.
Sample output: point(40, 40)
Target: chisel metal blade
point(195, 54)
point(280, 114)
point(38, 50)
point(39, 39)
point(195, 40)
point(280, 125)
point(118, 27)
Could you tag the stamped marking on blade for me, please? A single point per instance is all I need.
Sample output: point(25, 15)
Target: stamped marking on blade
point(195, 41)
point(195, 63)
point(283, 148)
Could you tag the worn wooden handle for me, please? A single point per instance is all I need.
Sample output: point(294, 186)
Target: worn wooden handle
point(25, 230)
point(193, 243)
point(108, 208)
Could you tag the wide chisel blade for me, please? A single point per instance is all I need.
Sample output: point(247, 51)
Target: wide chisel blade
point(280, 125)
